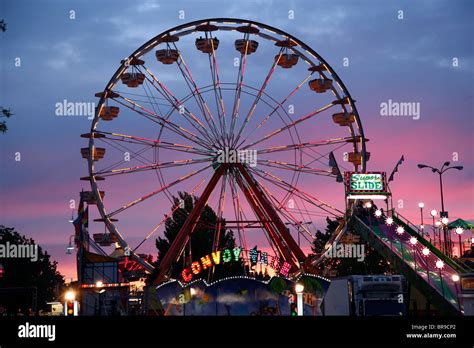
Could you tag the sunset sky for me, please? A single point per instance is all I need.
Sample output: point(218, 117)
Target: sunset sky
point(402, 60)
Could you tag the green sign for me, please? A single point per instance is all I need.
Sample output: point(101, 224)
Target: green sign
point(366, 182)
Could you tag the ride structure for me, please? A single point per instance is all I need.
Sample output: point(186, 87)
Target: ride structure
point(271, 148)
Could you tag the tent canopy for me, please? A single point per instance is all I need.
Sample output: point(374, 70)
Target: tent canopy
point(460, 223)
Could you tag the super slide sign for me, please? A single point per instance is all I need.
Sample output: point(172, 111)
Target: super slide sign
point(371, 185)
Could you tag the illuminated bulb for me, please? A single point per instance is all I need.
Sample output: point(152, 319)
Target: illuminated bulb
point(425, 251)
point(99, 284)
point(70, 295)
point(413, 240)
point(439, 264)
point(433, 213)
point(455, 278)
point(422, 227)
point(378, 213)
point(459, 230)
point(389, 221)
point(438, 223)
point(299, 288)
point(368, 205)
point(400, 230)
point(445, 220)
point(421, 205)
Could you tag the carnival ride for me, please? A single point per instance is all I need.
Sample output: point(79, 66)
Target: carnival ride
point(258, 150)
point(275, 135)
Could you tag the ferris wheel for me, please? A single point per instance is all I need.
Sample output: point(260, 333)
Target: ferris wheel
point(243, 116)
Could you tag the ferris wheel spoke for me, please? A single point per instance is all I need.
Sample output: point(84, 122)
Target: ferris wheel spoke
point(217, 88)
point(289, 216)
point(198, 96)
point(239, 84)
point(137, 169)
point(153, 143)
point(238, 213)
point(294, 167)
point(178, 105)
point(292, 124)
point(294, 190)
point(183, 132)
point(220, 212)
point(169, 215)
point(257, 99)
point(279, 105)
point(161, 189)
point(302, 146)
point(262, 216)
point(133, 154)
point(321, 156)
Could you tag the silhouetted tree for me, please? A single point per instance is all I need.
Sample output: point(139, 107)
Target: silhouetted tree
point(202, 238)
point(24, 279)
point(373, 263)
point(6, 113)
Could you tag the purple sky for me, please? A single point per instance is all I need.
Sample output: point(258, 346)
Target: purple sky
point(408, 60)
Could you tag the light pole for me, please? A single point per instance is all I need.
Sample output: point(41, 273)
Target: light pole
point(438, 224)
point(459, 232)
point(455, 279)
point(433, 214)
point(421, 205)
point(444, 223)
point(426, 253)
point(299, 288)
point(413, 242)
point(439, 266)
point(400, 230)
point(441, 171)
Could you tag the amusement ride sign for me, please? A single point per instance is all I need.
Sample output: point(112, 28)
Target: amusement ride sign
point(221, 257)
point(371, 185)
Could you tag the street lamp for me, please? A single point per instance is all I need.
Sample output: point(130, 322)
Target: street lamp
point(389, 221)
point(421, 205)
point(455, 279)
point(459, 231)
point(439, 266)
point(441, 171)
point(447, 242)
point(426, 252)
point(399, 231)
point(413, 242)
point(438, 225)
point(433, 214)
point(299, 288)
point(70, 295)
point(378, 213)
